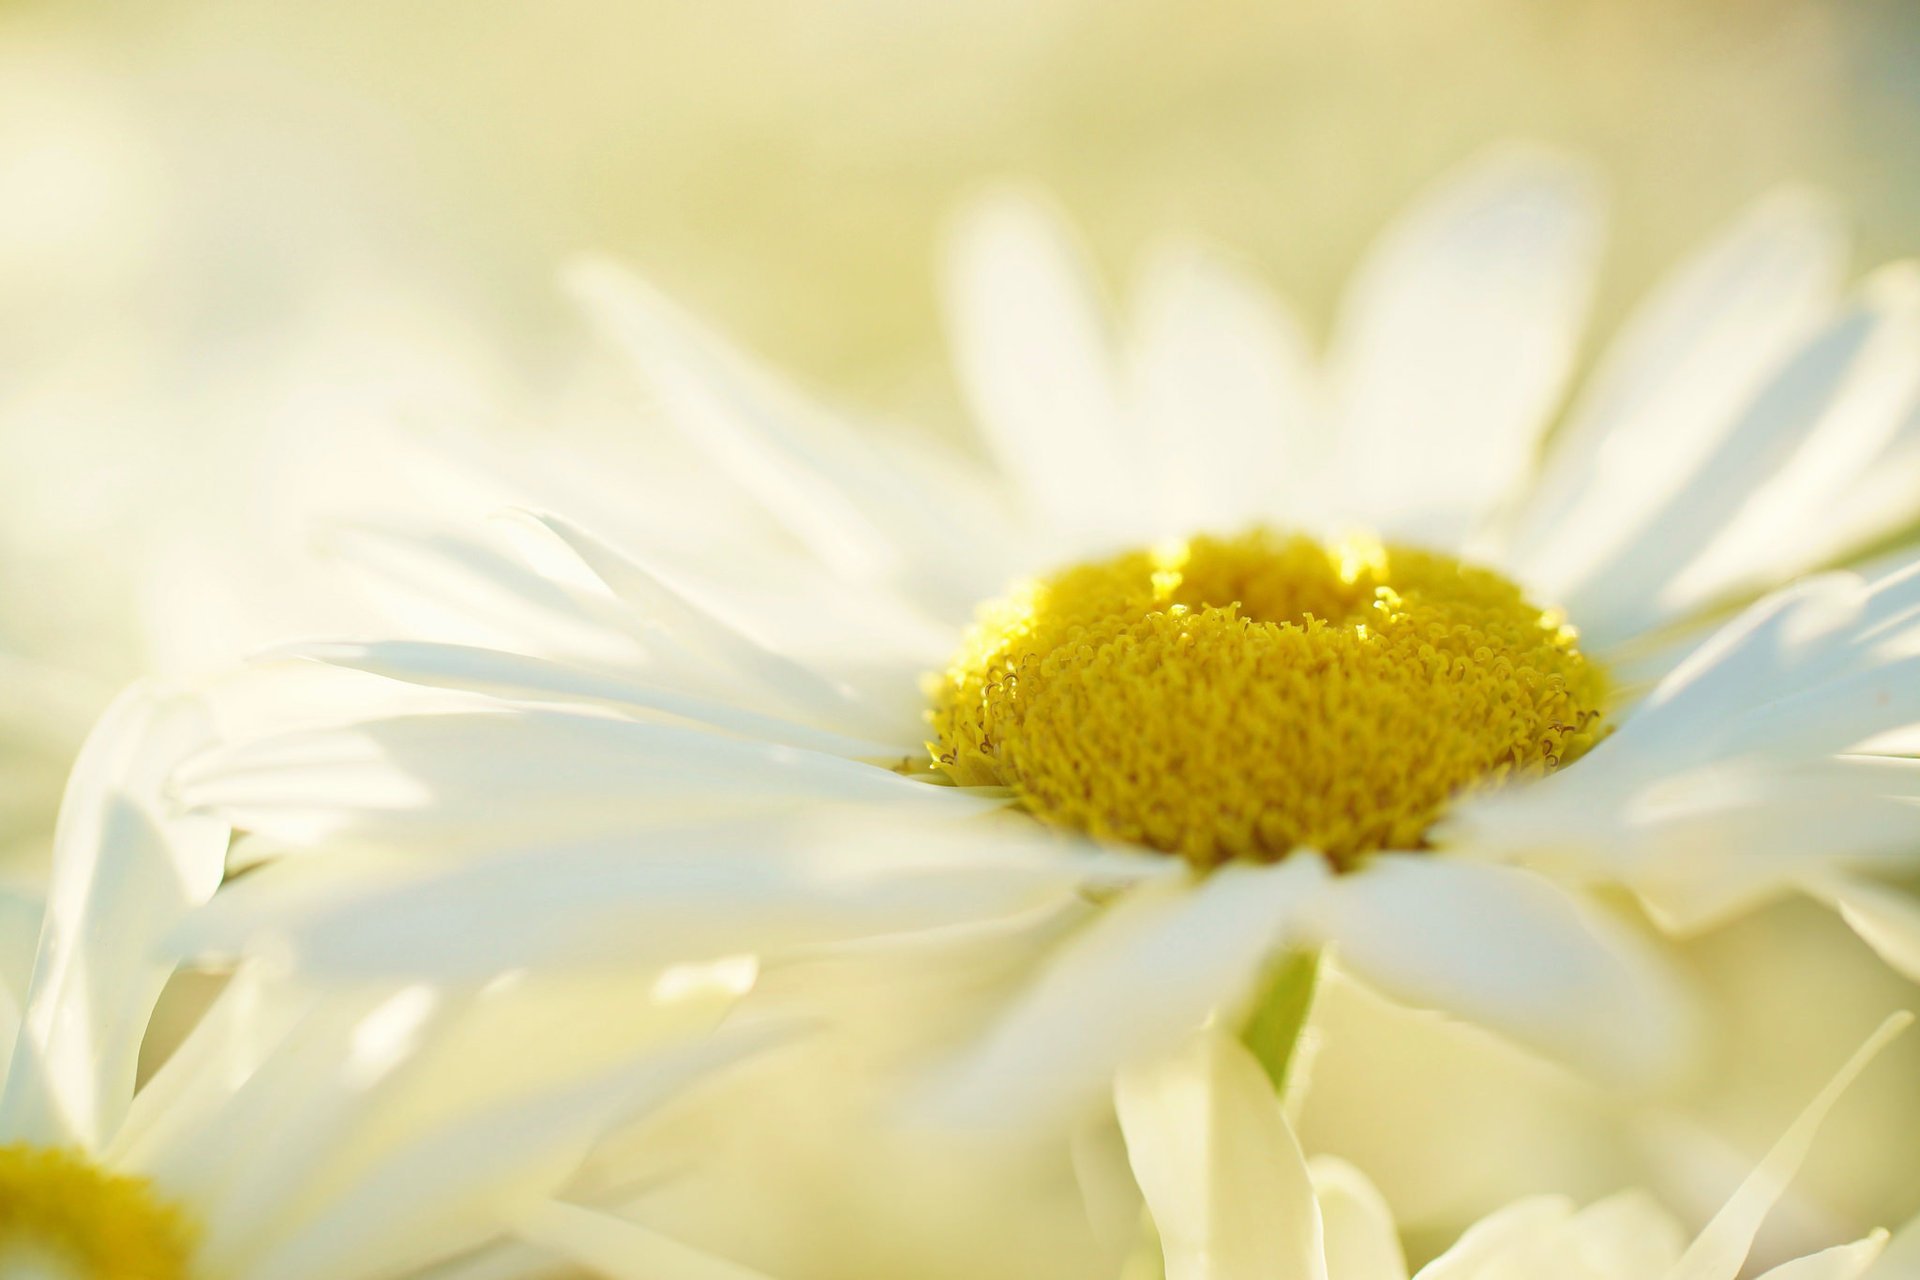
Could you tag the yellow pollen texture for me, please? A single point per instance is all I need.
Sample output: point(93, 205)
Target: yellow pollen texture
point(1244, 697)
point(61, 1214)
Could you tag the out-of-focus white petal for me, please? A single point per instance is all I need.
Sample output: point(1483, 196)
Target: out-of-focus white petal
point(1886, 919)
point(1625, 1236)
point(126, 867)
point(1514, 952)
point(1035, 360)
point(1455, 340)
point(1688, 359)
point(619, 1249)
point(1524, 1229)
point(1901, 1260)
point(447, 1186)
point(1362, 1242)
point(1827, 415)
point(1223, 381)
point(836, 492)
point(1842, 1262)
point(1223, 1176)
point(1720, 1250)
point(1149, 970)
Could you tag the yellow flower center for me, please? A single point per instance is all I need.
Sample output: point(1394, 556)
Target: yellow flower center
point(1244, 697)
point(61, 1215)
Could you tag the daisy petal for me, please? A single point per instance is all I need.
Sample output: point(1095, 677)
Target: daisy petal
point(1521, 1229)
point(1886, 919)
point(1455, 341)
point(1720, 1251)
point(1512, 951)
point(704, 636)
point(835, 492)
point(1837, 402)
point(694, 895)
point(495, 779)
point(527, 679)
point(1842, 1262)
point(1034, 357)
point(1686, 362)
point(125, 869)
point(1146, 972)
point(619, 1249)
point(1223, 377)
point(1222, 1174)
point(1362, 1241)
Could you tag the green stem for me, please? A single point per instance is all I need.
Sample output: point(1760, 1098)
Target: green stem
point(1279, 1015)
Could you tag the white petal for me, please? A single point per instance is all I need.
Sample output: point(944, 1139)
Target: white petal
point(1222, 1174)
point(1488, 1246)
point(619, 1249)
point(1512, 951)
point(496, 779)
point(1034, 357)
point(1225, 385)
point(1720, 1250)
point(125, 869)
point(703, 636)
point(836, 492)
point(1361, 1240)
point(521, 678)
point(1901, 1261)
point(457, 1185)
point(1455, 341)
point(1150, 969)
point(1667, 390)
point(1886, 919)
point(1625, 1236)
point(1840, 398)
point(695, 894)
point(1842, 1262)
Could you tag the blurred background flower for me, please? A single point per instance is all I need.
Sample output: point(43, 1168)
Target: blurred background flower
point(239, 242)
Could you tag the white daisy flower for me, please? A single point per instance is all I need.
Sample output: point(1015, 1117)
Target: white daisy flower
point(358, 1132)
point(1301, 655)
point(1232, 1197)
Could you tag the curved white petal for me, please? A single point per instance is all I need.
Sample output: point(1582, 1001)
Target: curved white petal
point(1668, 388)
point(1455, 341)
point(126, 867)
point(1149, 970)
point(1362, 1242)
point(1842, 1262)
point(1525, 1229)
point(1222, 1173)
point(1886, 919)
point(1512, 951)
point(1035, 359)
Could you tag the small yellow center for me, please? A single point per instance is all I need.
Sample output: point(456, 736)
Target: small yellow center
point(62, 1215)
point(1244, 697)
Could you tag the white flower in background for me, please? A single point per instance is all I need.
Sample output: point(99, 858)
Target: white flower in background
point(1301, 644)
point(1232, 1198)
point(358, 1132)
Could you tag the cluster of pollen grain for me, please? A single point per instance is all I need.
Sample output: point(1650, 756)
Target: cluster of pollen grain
point(1243, 697)
point(60, 1211)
